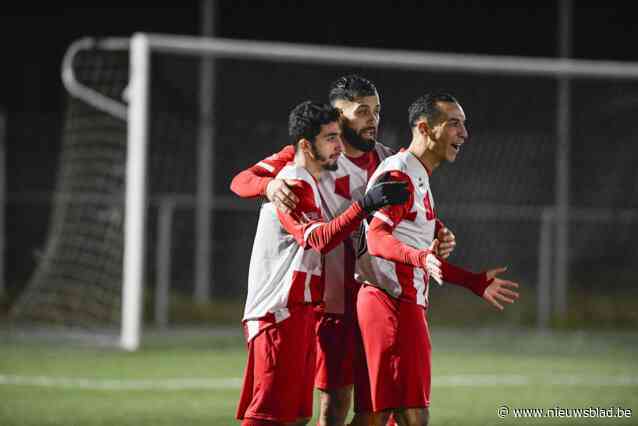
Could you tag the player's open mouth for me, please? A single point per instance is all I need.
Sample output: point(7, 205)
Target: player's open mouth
point(456, 146)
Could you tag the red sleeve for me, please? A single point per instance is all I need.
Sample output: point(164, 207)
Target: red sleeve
point(307, 226)
point(330, 234)
point(476, 283)
point(304, 216)
point(382, 243)
point(253, 181)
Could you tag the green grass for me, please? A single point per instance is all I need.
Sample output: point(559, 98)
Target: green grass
point(545, 362)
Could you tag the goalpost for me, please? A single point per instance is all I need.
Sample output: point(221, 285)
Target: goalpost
point(137, 115)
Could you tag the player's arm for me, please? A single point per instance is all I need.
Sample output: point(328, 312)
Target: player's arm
point(486, 285)
point(306, 225)
point(259, 180)
point(324, 236)
point(382, 243)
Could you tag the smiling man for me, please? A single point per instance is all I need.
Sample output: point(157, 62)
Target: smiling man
point(340, 362)
point(400, 260)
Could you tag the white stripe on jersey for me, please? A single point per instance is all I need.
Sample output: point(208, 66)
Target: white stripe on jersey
point(283, 313)
point(383, 217)
point(309, 230)
point(266, 166)
point(306, 292)
point(421, 287)
point(253, 328)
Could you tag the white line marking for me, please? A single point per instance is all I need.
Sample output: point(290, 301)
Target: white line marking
point(520, 380)
point(126, 384)
point(469, 380)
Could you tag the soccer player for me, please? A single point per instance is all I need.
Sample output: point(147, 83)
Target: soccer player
point(285, 280)
point(337, 335)
point(391, 305)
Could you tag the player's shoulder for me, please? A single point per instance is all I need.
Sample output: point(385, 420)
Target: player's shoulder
point(394, 168)
point(295, 172)
point(287, 153)
point(303, 182)
point(288, 150)
point(398, 161)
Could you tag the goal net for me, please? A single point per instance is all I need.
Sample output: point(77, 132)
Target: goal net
point(144, 223)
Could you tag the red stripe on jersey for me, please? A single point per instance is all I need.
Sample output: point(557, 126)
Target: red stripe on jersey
point(342, 187)
point(405, 273)
point(410, 216)
point(297, 289)
point(402, 211)
point(429, 211)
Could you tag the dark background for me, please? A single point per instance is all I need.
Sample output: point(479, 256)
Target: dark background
point(34, 41)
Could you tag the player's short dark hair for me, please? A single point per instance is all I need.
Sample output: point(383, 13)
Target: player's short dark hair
point(349, 87)
point(426, 107)
point(305, 120)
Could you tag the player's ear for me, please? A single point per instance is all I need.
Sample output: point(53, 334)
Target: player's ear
point(423, 128)
point(304, 145)
point(343, 120)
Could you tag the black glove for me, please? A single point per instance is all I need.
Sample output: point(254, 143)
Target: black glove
point(384, 193)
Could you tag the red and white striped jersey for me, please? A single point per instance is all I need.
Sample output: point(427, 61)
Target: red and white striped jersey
point(338, 189)
point(412, 224)
point(284, 274)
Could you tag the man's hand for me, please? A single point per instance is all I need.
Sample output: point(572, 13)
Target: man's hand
point(383, 194)
point(447, 242)
point(279, 193)
point(432, 265)
point(499, 290)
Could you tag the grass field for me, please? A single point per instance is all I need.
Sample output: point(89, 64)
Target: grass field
point(193, 378)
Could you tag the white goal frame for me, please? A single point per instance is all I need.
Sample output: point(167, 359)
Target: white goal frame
point(141, 45)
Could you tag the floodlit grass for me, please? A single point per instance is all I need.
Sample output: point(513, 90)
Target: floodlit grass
point(475, 372)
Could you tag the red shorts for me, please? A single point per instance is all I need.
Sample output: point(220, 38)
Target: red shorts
point(335, 350)
point(280, 370)
point(397, 347)
point(362, 398)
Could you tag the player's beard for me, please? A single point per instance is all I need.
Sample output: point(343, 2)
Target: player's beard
point(353, 138)
point(318, 157)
